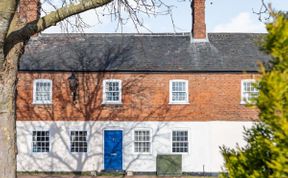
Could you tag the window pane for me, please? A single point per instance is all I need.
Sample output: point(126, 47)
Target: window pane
point(78, 141)
point(180, 141)
point(112, 91)
point(43, 91)
point(142, 141)
point(179, 93)
point(40, 141)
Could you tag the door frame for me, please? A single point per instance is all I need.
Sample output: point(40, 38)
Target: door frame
point(103, 145)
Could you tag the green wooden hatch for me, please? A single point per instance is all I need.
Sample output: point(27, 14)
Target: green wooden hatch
point(169, 165)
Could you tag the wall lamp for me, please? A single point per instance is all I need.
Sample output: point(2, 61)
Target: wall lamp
point(73, 85)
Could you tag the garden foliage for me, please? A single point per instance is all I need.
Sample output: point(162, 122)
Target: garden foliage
point(266, 152)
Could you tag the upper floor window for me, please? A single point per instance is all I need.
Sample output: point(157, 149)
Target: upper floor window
point(42, 91)
point(40, 141)
point(142, 141)
point(248, 91)
point(78, 141)
point(112, 91)
point(178, 91)
point(180, 141)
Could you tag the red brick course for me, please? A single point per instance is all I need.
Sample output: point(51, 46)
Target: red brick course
point(212, 96)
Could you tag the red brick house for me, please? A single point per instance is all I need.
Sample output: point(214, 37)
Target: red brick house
point(93, 102)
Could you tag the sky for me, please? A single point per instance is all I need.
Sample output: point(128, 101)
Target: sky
point(221, 16)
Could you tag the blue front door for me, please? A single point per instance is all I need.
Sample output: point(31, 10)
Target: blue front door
point(113, 150)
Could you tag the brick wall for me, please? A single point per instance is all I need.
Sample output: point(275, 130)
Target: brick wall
point(145, 98)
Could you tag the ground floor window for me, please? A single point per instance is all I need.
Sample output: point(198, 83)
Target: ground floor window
point(180, 141)
point(142, 141)
point(40, 141)
point(78, 140)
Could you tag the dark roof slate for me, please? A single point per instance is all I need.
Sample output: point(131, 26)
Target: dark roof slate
point(233, 52)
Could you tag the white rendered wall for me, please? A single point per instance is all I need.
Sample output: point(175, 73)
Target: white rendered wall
point(204, 141)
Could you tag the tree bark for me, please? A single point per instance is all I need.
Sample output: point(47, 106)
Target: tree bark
point(8, 69)
point(8, 147)
point(7, 10)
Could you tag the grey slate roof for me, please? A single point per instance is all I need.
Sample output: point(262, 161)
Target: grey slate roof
point(233, 52)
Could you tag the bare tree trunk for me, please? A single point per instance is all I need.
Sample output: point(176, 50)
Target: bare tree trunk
point(8, 147)
point(12, 38)
point(8, 72)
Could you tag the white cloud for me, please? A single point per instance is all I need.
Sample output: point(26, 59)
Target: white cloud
point(243, 22)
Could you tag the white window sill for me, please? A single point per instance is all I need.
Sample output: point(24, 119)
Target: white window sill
point(178, 103)
point(143, 153)
point(43, 153)
point(111, 103)
point(79, 153)
point(180, 153)
point(247, 103)
point(41, 103)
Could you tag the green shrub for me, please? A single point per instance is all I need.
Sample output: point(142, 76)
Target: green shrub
point(266, 152)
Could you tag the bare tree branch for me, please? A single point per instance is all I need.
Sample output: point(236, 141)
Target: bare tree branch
point(265, 11)
point(7, 10)
point(24, 33)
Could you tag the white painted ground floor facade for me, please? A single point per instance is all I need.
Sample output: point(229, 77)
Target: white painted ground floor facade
point(84, 146)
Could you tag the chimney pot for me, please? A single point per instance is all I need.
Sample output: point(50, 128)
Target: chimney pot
point(29, 10)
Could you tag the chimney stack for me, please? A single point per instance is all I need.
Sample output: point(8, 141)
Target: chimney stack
point(29, 10)
point(198, 20)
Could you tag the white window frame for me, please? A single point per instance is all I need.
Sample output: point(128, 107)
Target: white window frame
point(243, 101)
point(34, 91)
point(104, 92)
point(70, 147)
point(41, 130)
point(186, 90)
point(188, 146)
point(150, 141)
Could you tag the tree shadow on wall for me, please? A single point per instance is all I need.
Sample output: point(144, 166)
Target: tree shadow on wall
point(142, 100)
